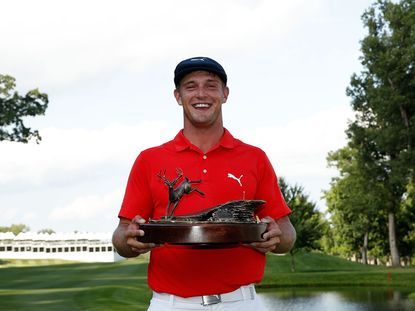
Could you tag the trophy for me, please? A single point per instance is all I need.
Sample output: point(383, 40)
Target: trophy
point(223, 225)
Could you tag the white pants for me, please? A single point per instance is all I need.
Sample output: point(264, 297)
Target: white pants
point(249, 301)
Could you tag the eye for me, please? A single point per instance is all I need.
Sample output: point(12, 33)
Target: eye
point(190, 87)
point(212, 86)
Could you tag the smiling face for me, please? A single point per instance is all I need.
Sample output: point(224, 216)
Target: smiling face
point(201, 94)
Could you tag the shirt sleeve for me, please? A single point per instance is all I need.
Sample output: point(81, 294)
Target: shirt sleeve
point(269, 191)
point(137, 198)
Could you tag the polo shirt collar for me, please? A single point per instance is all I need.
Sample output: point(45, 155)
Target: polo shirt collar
point(181, 142)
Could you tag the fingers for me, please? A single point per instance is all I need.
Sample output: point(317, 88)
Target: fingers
point(267, 246)
point(139, 247)
point(133, 231)
point(271, 237)
point(138, 220)
point(272, 232)
point(143, 248)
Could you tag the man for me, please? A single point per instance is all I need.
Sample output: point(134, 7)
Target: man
point(186, 278)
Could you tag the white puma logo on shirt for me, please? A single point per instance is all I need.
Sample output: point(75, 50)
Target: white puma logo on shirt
point(237, 179)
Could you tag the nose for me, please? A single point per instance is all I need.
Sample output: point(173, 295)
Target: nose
point(201, 92)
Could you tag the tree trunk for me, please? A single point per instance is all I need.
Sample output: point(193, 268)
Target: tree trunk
point(392, 240)
point(405, 118)
point(407, 126)
point(292, 262)
point(364, 247)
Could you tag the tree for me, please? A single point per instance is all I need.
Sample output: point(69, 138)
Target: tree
point(406, 223)
point(46, 230)
point(15, 229)
point(353, 202)
point(14, 107)
point(383, 97)
point(306, 219)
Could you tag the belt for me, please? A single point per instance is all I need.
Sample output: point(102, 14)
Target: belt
point(242, 293)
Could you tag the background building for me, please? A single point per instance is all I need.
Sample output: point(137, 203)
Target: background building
point(80, 246)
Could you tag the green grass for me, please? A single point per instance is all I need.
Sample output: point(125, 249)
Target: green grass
point(123, 285)
point(319, 270)
point(31, 262)
point(81, 286)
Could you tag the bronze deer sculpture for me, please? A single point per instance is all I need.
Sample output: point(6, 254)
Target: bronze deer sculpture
point(175, 194)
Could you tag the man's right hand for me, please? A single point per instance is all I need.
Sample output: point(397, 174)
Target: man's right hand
point(133, 231)
point(125, 238)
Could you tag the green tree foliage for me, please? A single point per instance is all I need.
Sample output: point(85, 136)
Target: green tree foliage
point(406, 223)
point(15, 107)
point(46, 230)
point(353, 202)
point(15, 228)
point(307, 220)
point(383, 97)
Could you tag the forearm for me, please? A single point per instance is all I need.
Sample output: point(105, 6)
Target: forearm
point(287, 238)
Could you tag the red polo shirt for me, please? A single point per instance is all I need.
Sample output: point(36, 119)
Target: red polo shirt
point(232, 170)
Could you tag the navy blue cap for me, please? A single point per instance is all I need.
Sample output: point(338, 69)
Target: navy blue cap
point(198, 63)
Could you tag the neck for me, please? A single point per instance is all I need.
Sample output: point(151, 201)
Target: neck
point(204, 138)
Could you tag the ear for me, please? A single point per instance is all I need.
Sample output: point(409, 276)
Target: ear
point(225, 94)
point(178, 97)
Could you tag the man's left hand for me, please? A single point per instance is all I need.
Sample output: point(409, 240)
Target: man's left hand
point(271, 236)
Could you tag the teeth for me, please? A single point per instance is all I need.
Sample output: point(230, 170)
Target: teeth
point(201, 106)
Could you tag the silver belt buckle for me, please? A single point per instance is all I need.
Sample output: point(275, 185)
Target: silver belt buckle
point(210, 300)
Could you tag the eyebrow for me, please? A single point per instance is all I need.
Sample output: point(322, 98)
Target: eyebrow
point(212, 80)
point(207, 81)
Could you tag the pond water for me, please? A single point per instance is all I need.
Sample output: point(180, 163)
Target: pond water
point(355, 299)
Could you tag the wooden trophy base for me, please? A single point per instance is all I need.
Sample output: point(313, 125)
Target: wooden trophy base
point(202, 233)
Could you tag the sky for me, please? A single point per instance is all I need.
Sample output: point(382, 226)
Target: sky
point(107, 67)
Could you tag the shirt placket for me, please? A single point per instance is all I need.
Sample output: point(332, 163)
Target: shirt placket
point(205, 167)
